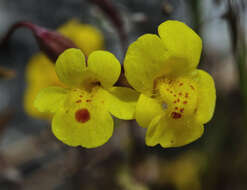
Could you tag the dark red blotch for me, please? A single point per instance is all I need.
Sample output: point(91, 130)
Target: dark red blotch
point(82, 115)
point(176, 115)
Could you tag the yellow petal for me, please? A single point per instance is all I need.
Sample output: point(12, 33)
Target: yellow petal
point(173, 133)
point(37, 66)
point(154, 132)
point(37, 80)
point(206, 97)
point(120, 102)
point(30, 94)
point(50, 99)
point(86, 37)
point(82, 122)
point(144, 61)
point(146, 109)
point(105, 67)
point(183, 44)
point(70, 66)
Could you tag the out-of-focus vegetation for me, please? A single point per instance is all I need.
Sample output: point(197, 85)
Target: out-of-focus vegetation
point(32, 158)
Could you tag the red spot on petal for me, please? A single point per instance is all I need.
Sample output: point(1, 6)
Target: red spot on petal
point(182, 110)
point(176, 115)
point(192, 87)
point(78, 101)
point(175, 95)
point(185, 102)
point(186, 95)
point(81, 96)
point(167, 89)
point(180, 94)
point(82, 115)
point(178, 100)
point(88, 100)
point(176, 108)
point(175, 102)
point(181, 84)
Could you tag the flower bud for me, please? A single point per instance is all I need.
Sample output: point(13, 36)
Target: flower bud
point(50, 42)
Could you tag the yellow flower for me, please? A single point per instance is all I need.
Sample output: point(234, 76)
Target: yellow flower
point(85, 36)
point(82, 112)
point(176, 98)
point(185, 171)
point(40, 72)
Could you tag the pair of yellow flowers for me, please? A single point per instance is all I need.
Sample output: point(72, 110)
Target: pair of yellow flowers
point(170, 96)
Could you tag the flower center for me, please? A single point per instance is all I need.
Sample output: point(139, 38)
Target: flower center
point(80, 102)
point(179, 95)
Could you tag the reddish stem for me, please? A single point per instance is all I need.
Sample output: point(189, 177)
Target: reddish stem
point(16, 26)
point(111, 11)
point(50, 42)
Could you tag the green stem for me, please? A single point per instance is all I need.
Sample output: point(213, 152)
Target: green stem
point(240, 58)
point(234, 16)
point(196, 14)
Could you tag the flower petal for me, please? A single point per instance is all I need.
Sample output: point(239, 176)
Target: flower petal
point(173, 133)
point(121, 102)
point(154, 132)
point(70, 66)
point(144, 61)
point(29, 97)
point(37, 66)
point(206, 97)
point(146, 109)
point(173, 136)
point(50, 99)
point(85, 36)
point(182, 43)
point(83, 123)
point(36, 80)
point(105, 67)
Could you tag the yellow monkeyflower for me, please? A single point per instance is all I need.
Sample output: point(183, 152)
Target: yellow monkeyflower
point(185, 171)
point(82, 111)
point(176, 98)
point(40, 72)
point(85, 36)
